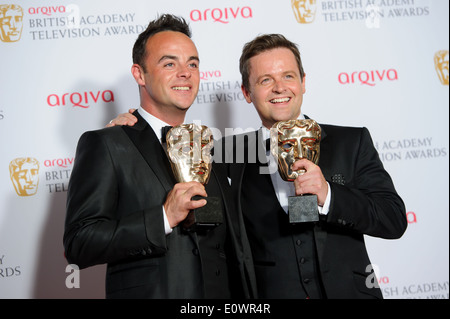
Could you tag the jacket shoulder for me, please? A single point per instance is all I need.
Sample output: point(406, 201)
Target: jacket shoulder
point(344, 132)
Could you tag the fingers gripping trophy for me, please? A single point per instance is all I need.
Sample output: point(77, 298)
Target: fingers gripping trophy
point(189, 149)
point(290, 142)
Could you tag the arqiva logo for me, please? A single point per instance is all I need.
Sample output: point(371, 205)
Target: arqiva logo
point(49, 10)
point(80, 99)
point(207, 75)
point(368, 77)
point(221, 15)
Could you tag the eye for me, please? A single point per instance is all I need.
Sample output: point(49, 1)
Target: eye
point(310, 143)
point(287, 146)
point(186, 149)
point(265, 81)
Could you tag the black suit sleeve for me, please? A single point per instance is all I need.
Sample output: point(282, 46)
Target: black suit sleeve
point(369, 204)
point(95, 232)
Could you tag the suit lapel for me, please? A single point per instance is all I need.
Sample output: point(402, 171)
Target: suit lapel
point(237, 170)
point(145, 140)
point(225, 193)
point(320, 234)
point(237, 173)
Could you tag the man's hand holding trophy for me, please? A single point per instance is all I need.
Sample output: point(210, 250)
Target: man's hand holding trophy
point(189, 149)
point(292, 141)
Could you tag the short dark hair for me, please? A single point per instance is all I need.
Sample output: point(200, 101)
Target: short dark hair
point(165, 22)
point(261, 44)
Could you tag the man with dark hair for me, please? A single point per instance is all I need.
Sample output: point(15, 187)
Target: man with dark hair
point(356, 196)
point(124, 207)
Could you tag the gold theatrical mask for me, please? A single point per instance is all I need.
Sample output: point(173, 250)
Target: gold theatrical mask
point(11, 22)
point(189, 148)
point(292, 141)
point(304, 10)
point(24, 173)
point(441, 65)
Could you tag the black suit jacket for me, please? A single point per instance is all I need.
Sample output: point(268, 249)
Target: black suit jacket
point(363, 202)
point(118, 185)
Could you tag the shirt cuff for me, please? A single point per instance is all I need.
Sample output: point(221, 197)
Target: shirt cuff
point(326, 206)
point(167, 227)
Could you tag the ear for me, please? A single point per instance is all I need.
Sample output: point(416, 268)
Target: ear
point(138, 74)
point(247, 94)
point(303, 84)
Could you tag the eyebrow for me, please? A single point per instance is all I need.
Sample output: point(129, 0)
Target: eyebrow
point(270, 75)
point(173, 57)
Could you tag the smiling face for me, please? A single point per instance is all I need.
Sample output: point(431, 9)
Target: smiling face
point(275, 86)
point(169, 80)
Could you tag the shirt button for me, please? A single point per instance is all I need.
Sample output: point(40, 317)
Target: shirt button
point(298, 242)
point(306, 280)
point(195, 251)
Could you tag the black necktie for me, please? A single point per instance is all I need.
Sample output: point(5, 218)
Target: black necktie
point(164, 131)
point(268, 144)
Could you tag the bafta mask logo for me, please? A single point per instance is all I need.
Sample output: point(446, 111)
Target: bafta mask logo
point(189, 148)
point(11, 22)
point(441, 65)
point(292, 141)
point(24, 173)
point(304, 10)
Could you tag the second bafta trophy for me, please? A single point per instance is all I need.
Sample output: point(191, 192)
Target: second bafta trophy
point(290, 142)
point(189, 149)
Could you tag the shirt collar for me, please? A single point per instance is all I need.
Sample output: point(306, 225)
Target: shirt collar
point(153, 121)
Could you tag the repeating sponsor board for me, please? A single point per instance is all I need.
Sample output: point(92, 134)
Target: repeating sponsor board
point(31, 177)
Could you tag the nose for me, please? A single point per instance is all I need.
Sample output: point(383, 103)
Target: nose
point(300, 153)
point(279, 87)
point(196, 153)
point(29, 177)
point(184, 72)
point(12, 24)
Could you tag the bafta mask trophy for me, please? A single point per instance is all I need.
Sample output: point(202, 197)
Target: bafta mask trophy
point(290, 142)
point(189, 149)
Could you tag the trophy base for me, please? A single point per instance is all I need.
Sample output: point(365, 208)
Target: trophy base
point(206, 217)
point(303, 209)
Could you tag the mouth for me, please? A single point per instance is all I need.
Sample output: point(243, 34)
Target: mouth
point(181, 88)
point(280, 100)
point(198, 171)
